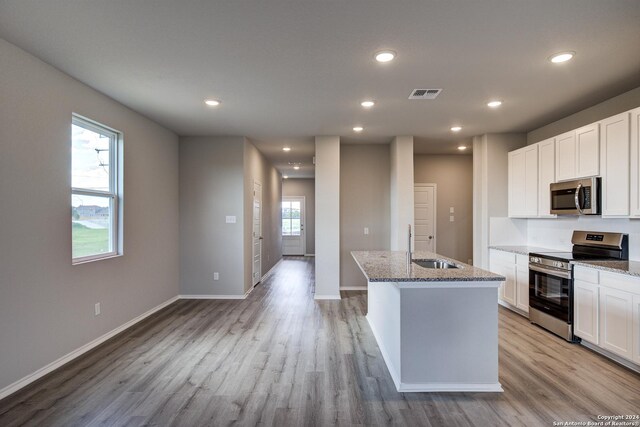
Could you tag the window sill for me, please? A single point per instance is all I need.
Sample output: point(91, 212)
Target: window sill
point(94, 259)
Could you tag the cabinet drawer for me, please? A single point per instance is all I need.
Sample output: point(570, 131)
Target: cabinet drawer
point(585, 274)
point(621, 282)
point(498, 255)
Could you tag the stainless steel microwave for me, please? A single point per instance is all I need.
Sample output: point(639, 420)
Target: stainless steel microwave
point(579, 197)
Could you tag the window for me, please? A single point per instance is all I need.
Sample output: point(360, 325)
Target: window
point(290, 218)
point(95, 195)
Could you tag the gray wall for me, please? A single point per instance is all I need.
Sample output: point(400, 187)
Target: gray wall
point(608, 108)
point(453, 175)
point(211, 188)
point(304, 187)
point(364, 202)
point(257, 168)
point(46, 304)
point(490, 186)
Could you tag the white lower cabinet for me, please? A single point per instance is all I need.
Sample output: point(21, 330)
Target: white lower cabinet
point(522, 283)
point(636, 329)
point(616, 321)
point(514, 291)
point(607, 311)
point(585, 311)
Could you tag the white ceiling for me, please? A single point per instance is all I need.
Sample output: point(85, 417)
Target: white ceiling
point(289, 70)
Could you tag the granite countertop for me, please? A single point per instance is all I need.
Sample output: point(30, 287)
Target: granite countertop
point(631, 268)
point(391, 266)
point(524, 250)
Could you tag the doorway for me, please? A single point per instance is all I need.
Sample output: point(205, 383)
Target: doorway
point(257, 233)
point(293, 220)
point(424, 235)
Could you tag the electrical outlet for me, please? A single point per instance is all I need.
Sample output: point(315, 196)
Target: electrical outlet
point(451, 218)
point(216, 276)
point(230, 219)
point(451, 210)
point(366, 230)
point(97, 309)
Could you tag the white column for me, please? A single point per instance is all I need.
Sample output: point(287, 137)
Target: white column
point(401, 191)
point(327, 217)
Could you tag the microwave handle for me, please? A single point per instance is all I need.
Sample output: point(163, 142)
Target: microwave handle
point(577, 199)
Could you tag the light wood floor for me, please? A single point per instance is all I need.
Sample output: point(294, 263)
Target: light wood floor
point(280, 358)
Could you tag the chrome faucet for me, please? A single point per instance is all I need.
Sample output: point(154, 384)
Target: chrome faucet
point(409, 254)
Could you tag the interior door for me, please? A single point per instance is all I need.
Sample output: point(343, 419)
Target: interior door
point(424, 235)
point(257, 233)
point(293, 236)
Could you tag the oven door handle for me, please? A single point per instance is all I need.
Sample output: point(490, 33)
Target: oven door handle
point(576, 198)
point(559, 273)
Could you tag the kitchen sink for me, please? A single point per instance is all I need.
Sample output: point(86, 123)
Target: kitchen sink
point(434, 263)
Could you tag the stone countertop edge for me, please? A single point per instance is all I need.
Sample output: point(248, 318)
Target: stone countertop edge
point(629, 268)
point(524, 250)
point(390, 266)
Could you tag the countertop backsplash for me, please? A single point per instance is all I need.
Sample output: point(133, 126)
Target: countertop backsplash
point(555, 233)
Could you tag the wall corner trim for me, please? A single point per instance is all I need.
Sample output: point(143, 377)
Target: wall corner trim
point(25, 381)
point(326, 297)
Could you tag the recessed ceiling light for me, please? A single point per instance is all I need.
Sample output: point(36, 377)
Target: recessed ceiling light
point(296, 167)
point(462, 148)
point(286, 176)
point(494, 104)
point(367, 104)
point(456, 128)
point(385, 55)
point(358, 129)
point(560, 57)
point(286, 148)
point(212, 102)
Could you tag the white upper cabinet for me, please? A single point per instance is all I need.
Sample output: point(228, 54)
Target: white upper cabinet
point(635, 163)
point(578, 153)
point(566, 153)
point(588, 145)
point(546, 176)
point(523, 182)
point(614, 155)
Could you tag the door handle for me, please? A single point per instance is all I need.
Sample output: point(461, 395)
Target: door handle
point(576, 198)
point(260, 238)
point(430, 237)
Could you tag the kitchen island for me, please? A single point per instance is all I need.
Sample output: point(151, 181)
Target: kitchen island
point(437, 328)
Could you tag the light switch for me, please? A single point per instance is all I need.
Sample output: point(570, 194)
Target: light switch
point(231, 219)
point(366, 230)
point(451, 219)
point(451, 210)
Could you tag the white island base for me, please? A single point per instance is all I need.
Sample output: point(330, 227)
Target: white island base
point(437, 336)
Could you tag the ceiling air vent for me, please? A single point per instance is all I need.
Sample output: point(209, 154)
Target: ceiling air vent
point(425, 93)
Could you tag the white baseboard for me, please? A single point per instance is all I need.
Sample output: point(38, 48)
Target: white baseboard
point(353, 288)
point(271, 270)
point(321, 297)
point(216, 296)
point(12, 388)
point(449, 387)
point(309, 254)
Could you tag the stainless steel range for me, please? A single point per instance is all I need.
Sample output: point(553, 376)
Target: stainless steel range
point(551, 278)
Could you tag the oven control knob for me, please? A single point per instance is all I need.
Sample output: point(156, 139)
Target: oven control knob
point(535, 259)
point(558, 264)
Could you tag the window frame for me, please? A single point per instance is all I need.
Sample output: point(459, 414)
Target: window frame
point(290, 218)
point(115, 186)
